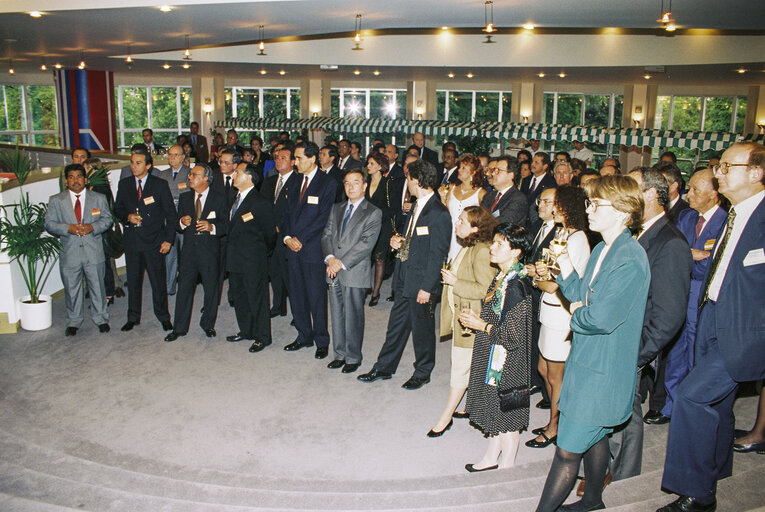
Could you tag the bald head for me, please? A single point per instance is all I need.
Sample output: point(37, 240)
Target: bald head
point(702, 191)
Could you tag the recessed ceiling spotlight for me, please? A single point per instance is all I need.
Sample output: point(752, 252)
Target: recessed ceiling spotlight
point(35, 14)
point(282, 72)
point(541, 74)
point(57, 65)
point(562, 74)
point(376, 72)
point(43, 67)
point(185, 65)
point(529, 26)
point(444, 28)
point(357, 72)
point(263, 71)
point(470, 75)
point(741, 70)
point(450, 75)
point(166, 65)
point(647, 76)
point(165, 8)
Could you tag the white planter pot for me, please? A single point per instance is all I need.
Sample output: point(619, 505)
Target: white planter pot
point(36, 317)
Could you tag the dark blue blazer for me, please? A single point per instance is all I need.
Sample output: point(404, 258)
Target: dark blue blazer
point(305, 220)
point(156, 207)
point(686, 223)
point(740, 317)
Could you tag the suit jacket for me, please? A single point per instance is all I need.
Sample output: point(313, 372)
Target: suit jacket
point(686, 223)
point(179, 184)
point(156, 208)
point(268, 190)
point(200, 150)
point(351, 163)
point(452, 178)
point(599, 382)
point(205, 245)
point(219, 185)
point(428, 155)
point(338, 175)
point(354, 246)
point(740, 317)
point(547, 182)
point(251, 235)
point(669, 257)
point(536, 253)
point(397, 188)
point(306, 219)
point(78, 249)
point(674, 212)
point(512, 206)
point(125, 172)
point(396, 172)
point(428, 248)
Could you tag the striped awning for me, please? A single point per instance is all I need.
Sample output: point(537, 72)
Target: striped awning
point(672, 138)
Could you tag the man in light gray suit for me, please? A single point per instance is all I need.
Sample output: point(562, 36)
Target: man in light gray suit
point(78, 217)
point(176, 176)
point(347, 242)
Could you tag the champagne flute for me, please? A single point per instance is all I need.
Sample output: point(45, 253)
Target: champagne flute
point(140, 219)
point(446, 265)
point(465, 306)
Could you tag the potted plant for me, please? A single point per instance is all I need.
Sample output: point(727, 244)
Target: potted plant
point(23, 237)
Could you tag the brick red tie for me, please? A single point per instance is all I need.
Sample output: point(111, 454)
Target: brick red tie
point(496, 200)
point(699, 226)
point(302, 190)
point(140, 190)
point(78, 209)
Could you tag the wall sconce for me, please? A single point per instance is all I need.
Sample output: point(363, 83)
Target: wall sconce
point(761, 126)
point(314, 112)
point(207, 108)
point(419, 110)
point(525, 116)
point(637, 116)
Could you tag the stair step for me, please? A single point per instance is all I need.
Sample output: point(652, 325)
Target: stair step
point(15, 504)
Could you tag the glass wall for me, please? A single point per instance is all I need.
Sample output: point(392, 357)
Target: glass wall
point(29, 115)
point(261, 102)
point(166, 110)
point(475, 106)
point(367, 104)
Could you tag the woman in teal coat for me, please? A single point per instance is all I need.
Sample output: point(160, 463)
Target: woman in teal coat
point(608, 305)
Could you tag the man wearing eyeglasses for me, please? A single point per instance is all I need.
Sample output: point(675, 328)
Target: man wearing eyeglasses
point(730, 340)
point(506, 203)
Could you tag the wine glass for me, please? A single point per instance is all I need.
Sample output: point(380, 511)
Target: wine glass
point(446, 265)
point(140, 219)
point(465, 306)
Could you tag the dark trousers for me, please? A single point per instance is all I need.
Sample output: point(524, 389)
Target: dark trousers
point(407, 316)
point(651, 384)
point(626, 442)
point(308, 300)
point(108, 277)
point(277, 271)
point(154, 264)
point(190, 269)
point(699, 448)
point(222, 273)
point(249, 291)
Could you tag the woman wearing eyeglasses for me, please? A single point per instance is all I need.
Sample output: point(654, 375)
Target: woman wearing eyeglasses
point(607, 308)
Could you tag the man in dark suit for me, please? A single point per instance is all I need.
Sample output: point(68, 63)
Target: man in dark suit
point(676, 182)
point(252, 235)
point(540, 179)
point(145, 207)
point(176, 177)
point(203, 220)
point(276, 189)
point(232, 142)
point(669, 257)
point(425, 152)
point(199, 148)
point(148, 140)
point(345, 161)
point(328, 157)
point(700, 224)
point(729, 350)
point(505, 202)
point(449, 167)
point(395, 171)
point(223, 182)
point(416, 281)
point(302, 225)
point(126, 171)
point(347, 242)
point(401, 198)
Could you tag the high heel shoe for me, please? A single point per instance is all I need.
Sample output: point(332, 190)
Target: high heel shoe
point(433, 433)
point(460, 415)
point(539, 431)
point(374, 300)
point(533, 443)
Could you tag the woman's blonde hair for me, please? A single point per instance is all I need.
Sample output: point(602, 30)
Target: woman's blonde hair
point(623, 193)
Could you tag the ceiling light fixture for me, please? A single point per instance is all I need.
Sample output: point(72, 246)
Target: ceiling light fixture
point(647, 76)
point(666, 19)
point(357, 72)
point(444, 28)
point(35, 14)
point(541, 74)
point(81, 65)
point(11, 71)
point(129, 58)
point(470, 75)
point(57, 65)
point(741, 70)
point(488, 18)
point(529, 26)
point(357, 36)
point(263, 71)
point(43, 67)
point(562, 74)
point(187, 53)
point(262, 44)
point(185, 65)
point(450, 75)
point(282, 72)
point(166, 66)
point(376, 72)
point(165, 8)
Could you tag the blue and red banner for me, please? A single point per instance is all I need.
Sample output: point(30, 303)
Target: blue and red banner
point(86, 109)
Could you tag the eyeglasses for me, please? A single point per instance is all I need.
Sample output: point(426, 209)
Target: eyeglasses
point(545, 201)
point(595, 204)
point(724, 167)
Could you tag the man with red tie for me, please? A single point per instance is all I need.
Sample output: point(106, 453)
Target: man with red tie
point(506, 203)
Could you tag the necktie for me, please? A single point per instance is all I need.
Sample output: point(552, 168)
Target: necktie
point(235, 207)
point(279, 185)
point(719, 253)
point(699, 226)
point(198, 207)
point(533, 184)
point(175, 174)
point(346, 218)
point(496, 200)
point(446, 177)
point(78, 209)
point(194, 139)
point(540, 236)
point(302, 190)
point(140, 190)
point(228, 182)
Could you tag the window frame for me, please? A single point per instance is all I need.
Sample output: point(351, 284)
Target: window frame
point(121, 130)
point(27, 133)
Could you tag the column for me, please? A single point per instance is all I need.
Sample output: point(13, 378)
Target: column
point(639, 112)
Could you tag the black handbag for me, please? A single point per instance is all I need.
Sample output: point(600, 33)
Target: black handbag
point(113, 242)
point(514, 398)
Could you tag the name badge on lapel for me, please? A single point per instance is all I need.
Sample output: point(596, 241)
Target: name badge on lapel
point(211, 215)
point(710, 244)
point(422, 230)
point(313, 199)
point(95, 211)
point(181, 186)
point(247, 217)
point(754, 257)
point(148, 200)
point(495, 214)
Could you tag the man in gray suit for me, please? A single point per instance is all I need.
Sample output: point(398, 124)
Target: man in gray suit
point(176, 176)
point(347, 242)
point(78, 217)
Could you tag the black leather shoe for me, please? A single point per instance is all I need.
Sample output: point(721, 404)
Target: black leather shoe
point(534, 389)
point(460, 415)
point(321, 352)
point(433, 433)
point(104, 328)
point(472, 469)
point(375, 300)
point(172, 336)
point(373, 376)
point(119, 292)
point(543, 404)
point(415, 383)
point(167, 326)
point(579, 507)
point(296, 345)
point(748, 447)
point(210, 333)
point(129, 325)
point(351, 367)
point(235, 337)
point(689, 504)
point(391, 298)
point(655, 418)
point(258, 346)
point(70, 331)
point(533, 443)
point(337, 363)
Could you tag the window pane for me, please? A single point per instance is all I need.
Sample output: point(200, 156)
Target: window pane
point(134, 110)
point(45, 139)
point(401, 112)
point(334, 101)
point(227, 108)
point(507, 106)
point(134, 138)
point(383, 104)
point(247, 103)
point(662, 113)
point(618, 110)
point(718, 113)
point(569, 109)
point(185, 106)
point(294, 103)
point(687, 113)
point(548, 107)
point(13, 139)
point(486, 106)
point(42, 103)
point(460, 105)
point(275, 103)
point(355, 104)
point(596, 107)
point(164, 107)
point(741, 114)
point(440, 105)
point(11, 111)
